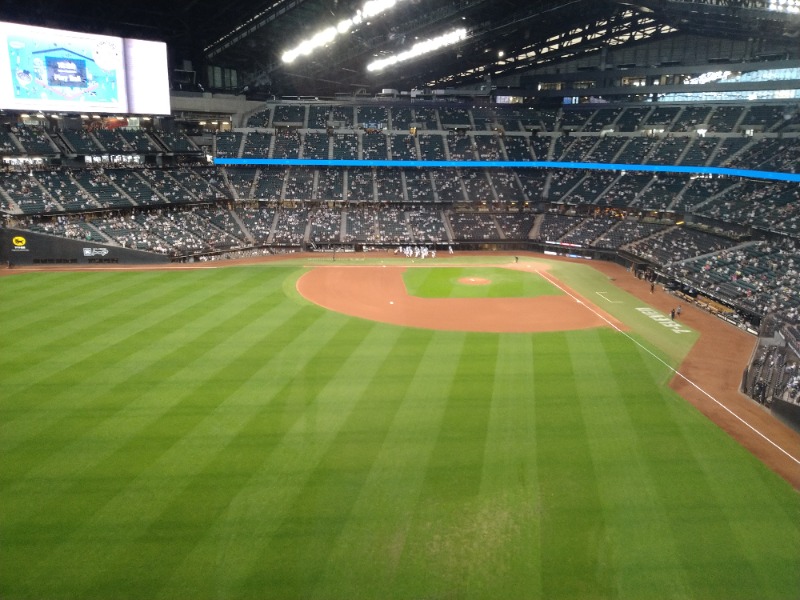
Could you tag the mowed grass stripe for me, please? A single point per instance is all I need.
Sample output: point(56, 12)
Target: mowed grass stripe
point(509, 491)
point(688, 459)
point(116, 371)
point(66, 294)
point(574, 553)
point(641, 555)
point(443, 544)
point(121, 522)
point(184, 475)
point(70, 486)
point(323, 508)
point(51, 289)
point(759, 538)
point(87, 435)
point(319, 401)
point(367, 558)
point(86, 337)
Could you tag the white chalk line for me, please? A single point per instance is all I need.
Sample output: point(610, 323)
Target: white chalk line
point(603, 296)
point(674, 370)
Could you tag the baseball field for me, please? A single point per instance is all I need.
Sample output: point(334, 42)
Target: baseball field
point(465, 427)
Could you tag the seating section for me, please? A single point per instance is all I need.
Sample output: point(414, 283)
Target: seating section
point(330, 187)
point(269, 183)
point(7, 145)
point(155, 191)
point(360, 185)
point(316, 146)
point(393, 226)
point(257, 145)
point(345, 147)
point(138, 140)
point(112, 141)
point(299, 183)
point(178, 143)
point(762, 277)
point(427, 225)
point(259, 119)
point(554, 226)
point(389, 183)
point(258, 221)
point(241, 181)
point(26, 192)
point(325, 225)
point(34, 140)
point(66, 192)
point(228, 144)
point(588, 230)
point(627, 232)
point(676, 244)
point(79, 141)
point(515, 226)
point(100, 186)
point(473, 227)
point(418, 184)
point(374, 146)
point(134, 186)
point(287, 144)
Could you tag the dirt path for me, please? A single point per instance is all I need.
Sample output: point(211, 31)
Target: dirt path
point(379, 294)
point(710, 377)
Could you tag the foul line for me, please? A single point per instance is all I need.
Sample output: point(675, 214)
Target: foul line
point(603, 296)
point(671, 368)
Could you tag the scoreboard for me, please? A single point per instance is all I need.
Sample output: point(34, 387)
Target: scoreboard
point(57, 70)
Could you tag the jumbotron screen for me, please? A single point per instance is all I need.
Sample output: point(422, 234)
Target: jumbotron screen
point(67, 71)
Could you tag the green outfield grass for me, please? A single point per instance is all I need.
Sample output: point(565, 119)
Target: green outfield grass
point(210, 434)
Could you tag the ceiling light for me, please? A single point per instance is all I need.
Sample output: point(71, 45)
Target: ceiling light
point(420, 48)
point(371, 8)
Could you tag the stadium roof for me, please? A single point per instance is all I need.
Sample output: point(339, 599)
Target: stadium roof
point(251, 36)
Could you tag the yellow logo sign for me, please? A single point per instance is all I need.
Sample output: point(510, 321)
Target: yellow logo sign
point(18, 240)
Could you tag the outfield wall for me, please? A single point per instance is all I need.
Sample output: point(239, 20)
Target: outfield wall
point(18, 247)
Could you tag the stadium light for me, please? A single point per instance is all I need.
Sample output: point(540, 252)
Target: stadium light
point(785, 6)
point(420, 48)
point(370, 9)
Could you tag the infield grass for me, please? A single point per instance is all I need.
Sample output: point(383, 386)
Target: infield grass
point(475, 282)
point(210, 434)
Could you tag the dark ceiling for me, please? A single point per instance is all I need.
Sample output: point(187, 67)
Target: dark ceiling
point(250, 36)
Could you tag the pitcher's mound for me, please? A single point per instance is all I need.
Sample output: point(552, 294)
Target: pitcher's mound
point(474, 281)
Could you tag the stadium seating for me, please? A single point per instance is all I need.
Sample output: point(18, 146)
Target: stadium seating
point(180, 206)
point(360, 185)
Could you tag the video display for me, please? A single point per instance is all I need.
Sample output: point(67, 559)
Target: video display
point(50, 69)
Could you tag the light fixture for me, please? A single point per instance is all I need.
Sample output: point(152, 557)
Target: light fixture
point(420, 48)
point(371, 8)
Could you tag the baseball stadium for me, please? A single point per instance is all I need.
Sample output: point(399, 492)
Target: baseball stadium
point(400, 299)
